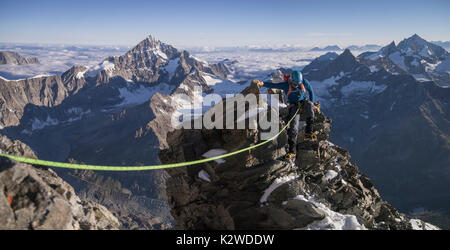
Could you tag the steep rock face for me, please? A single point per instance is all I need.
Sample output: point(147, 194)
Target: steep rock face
point(73, 79)
point(36, 198)
point(15, 95)
point(9, 57)
point(44, 91)
point(257, 189)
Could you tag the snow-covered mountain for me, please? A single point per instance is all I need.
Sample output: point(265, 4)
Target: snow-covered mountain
point(414, 55)
point(152, 61)
point(375, 103)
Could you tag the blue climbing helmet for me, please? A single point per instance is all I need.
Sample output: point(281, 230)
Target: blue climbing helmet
point(296, 78)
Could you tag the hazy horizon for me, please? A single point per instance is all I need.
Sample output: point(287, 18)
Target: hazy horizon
point(222, 24)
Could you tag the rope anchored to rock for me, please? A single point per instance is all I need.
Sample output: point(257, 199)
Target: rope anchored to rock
point(137, 168)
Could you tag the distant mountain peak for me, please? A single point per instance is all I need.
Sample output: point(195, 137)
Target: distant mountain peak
point(392, 44)
point(149, 42)
point(11, 57)
point(327, 48)
point(328, 56)
point(388, 49)
point(415, 36)
point(347, 55)
point(414, 42)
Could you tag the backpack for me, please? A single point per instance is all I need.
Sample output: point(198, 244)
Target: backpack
point(286, 78)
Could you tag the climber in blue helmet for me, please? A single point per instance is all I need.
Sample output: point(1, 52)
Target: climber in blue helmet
point(296, 88)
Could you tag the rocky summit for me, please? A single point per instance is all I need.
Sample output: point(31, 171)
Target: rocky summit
point(37, 198)
point(258, 189)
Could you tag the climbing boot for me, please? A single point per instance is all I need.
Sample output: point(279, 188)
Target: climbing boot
point(290, 157)
point(311, 136)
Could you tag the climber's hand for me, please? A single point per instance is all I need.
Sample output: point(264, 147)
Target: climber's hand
point(316, 108)
point(258, 82)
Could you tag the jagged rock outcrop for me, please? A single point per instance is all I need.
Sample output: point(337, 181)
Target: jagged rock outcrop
point(73, 79)
point(257, 189)
point(10, 57)
point(15, 95)
point(37, 198)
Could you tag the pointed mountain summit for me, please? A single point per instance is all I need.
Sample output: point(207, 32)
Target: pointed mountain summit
point(346, 58)
point(140, 64)
point(416, 45)
point(153, 62)
point(389, 49)
point(383, 52)
point(414, 42)
point(150, 48)
point(320, 62)
point(336, 66)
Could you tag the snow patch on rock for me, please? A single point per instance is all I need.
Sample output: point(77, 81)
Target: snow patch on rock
point(276, 184)
point(333, 220)
point(215, 152)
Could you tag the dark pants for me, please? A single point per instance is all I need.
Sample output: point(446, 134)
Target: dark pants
point(308, 112)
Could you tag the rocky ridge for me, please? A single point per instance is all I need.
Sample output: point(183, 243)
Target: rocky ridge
point(37, 198)
point(257, 189)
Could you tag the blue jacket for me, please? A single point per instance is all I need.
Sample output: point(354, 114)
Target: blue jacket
point(297, 94)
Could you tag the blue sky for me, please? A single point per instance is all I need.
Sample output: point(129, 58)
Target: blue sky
point(222, 23)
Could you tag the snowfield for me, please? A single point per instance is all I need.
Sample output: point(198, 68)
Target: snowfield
point(132, 95)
